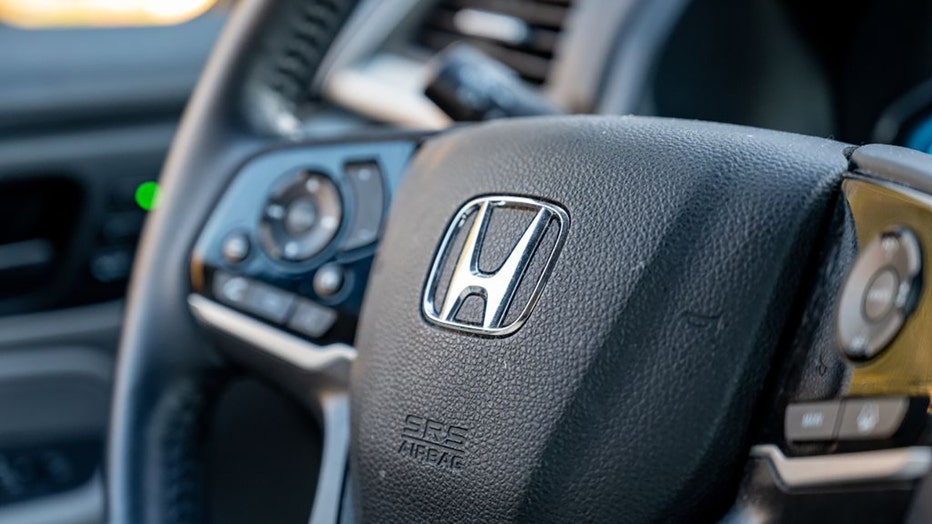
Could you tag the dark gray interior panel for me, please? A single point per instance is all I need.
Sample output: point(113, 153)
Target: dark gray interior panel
point(59, 75)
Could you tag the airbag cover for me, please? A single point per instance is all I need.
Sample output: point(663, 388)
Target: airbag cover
point(627, 395)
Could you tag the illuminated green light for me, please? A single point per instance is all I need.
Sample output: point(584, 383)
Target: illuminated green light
point(147, 195)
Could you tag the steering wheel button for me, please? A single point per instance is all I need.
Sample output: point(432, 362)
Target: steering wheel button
point(230, 289)
point(268, 302)
point(292, 251)
point(300, 217)
point(871, 418)
point(811, 421)
point(365, 179)
point(275, 212)
point(253, 297)
point(236, 248)
point(328, 281)
point(312, 319)
point(879, 294)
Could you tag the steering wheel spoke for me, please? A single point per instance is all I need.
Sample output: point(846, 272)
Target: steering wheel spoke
point(281, 264)
point(279, 269)
point(846, 435)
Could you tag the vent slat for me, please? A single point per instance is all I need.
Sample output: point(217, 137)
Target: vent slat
point(531, 67)
point(532, 12)
point(538, 40)
point(522, 34)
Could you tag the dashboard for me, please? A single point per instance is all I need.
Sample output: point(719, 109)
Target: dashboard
point(855, 71)
point(565, 48)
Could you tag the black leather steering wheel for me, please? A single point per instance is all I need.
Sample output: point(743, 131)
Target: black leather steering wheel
point(566, 319)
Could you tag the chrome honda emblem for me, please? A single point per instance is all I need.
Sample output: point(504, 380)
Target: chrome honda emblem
point(447, 290)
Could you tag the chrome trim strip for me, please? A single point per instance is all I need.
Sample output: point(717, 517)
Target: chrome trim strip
point(335, 409)
point(847, 468)
point(895, 164)
point(333, 403)
point(289, 348)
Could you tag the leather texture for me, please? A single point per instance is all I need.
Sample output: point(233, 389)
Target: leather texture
point(628, 395)
point(810, 367)
point(182, 484)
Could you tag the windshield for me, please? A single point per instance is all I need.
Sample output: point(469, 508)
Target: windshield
point(100, 13)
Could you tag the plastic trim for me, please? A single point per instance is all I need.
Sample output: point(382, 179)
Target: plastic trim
point(847, 468)
point(895, 164)
point(292, 349)
point(84, 505)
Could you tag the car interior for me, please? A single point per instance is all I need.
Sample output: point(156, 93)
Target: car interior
point(425, 261)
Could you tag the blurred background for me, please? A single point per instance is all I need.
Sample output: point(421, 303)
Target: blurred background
point(100, 13)
point(91, 92)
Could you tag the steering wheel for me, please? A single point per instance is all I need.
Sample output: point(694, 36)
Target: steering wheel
point(557, 319)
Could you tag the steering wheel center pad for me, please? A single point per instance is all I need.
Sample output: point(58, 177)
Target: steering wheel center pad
point(628, 393)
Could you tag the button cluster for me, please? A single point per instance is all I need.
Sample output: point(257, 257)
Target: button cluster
point(301, 217)
point(847, 420)
point(316, 224)
point(273, 304)
point(879, 294)
point(304, 212)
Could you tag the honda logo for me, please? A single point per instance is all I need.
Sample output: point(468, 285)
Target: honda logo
point(509, 293)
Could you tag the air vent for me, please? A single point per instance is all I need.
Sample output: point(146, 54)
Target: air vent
point(312, 28)
point(522, 34)
point(288, 52)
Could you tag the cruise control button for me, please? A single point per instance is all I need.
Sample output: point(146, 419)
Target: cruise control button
point(236, 248)
point(312, 319)
point(328, 281)
point(268, 302)
point(365, 179)
point(253, 297)
point(811, 421)
point(230, 289)
point(872, 418)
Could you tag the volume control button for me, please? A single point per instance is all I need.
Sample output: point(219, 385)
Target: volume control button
point(369, 195)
